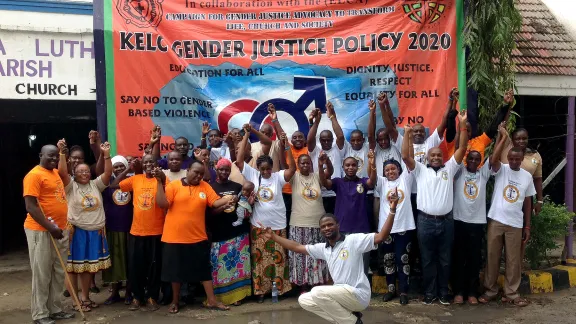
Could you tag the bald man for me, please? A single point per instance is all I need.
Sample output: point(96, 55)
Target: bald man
point(435, 229)
point(47, 209)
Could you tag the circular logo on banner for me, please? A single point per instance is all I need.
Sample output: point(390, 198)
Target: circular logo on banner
point(470, 190)
point(265, 194)
point(121, 198)
point(511, 194)
point(141, 13)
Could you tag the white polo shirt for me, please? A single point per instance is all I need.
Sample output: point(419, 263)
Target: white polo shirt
point(421, 150)
point(510, 190)
point(335, 157)
point(435, 188)
point(345, 262)
point(470, 194)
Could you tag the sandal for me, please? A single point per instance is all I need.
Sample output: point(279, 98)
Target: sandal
point(238, 303)
point(518, 301)
point(459, 300)
point(472, 301)
point(219, 306)
point(135, 305)
point(152, 305)
point(112, 300)
point(173, 309)
point(91, 303)
point(84, 307)
point(485, 299)
point(128, 300)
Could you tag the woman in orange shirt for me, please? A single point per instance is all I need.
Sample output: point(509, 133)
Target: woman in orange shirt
point(186, 253)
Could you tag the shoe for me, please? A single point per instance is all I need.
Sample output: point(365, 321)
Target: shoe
point(388, 296)
point(445, 300)
point(135, 305)
point(260, 299)
point(428, 300)
point(358, 317)
point(152, 305)
point(66, 293)
point(404, 300)
point(94, 290)
point(62, 315)
point(45, 320)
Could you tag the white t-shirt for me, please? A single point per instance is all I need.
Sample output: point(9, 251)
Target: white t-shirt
point(175, 175)
point(383, 155)
point(404, 220)
point(470, 194)
point(510, 190)
point(85, 209)
point(361, 156)
point(269, 209)
point(435, 189)
point(421, 150)
point(336, 159)
point(345, 262)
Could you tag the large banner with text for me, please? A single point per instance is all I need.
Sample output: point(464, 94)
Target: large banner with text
point(178, 63)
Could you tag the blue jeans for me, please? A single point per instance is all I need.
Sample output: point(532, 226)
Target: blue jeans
point(435, 237)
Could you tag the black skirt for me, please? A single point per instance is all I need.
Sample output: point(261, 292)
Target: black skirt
point(186, 262)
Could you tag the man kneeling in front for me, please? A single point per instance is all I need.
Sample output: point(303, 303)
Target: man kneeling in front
point(350, 294)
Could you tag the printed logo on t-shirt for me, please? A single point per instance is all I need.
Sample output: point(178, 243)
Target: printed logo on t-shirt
point(359, 188)
point(444, 175)
point(511, 193)
point(89, 203)
point(202, 195)
point(145, 200)
point(121, 198)
point(60, 194)
point(265, 194)
point(400, 195)
point(310, 194)
point(360, 164)
point(420, 157)
point(470, 190)
point(343, 255)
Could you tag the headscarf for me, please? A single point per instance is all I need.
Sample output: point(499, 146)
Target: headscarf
point(121, 159)
point(223, 162)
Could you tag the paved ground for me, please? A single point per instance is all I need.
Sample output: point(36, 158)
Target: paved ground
point(546, 308)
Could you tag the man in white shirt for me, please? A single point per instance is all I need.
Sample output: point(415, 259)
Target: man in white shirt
point(435, 227)
point(510, 209)
point(342, 302)
point(327, 146)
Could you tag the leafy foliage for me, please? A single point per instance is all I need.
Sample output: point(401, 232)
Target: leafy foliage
point(489, 35)
point(549, 225)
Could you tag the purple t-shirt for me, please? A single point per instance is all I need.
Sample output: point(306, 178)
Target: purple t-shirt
point(118, 208)
point(350, 209)
point(163, 163)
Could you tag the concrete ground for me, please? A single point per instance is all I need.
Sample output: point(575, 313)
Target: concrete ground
point(545, 308)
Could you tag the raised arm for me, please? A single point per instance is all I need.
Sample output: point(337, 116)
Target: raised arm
point(386, 113)
point(461, 151)
point(451, 132)
point(335, 125)
point(155, 136)
point(274, 117)
point(407, 156)
point(372, 125)
point(498, 148)
point(205, 131)
point(33, 208)
point(449, 106)
point(105, 153)
point(205, 159)
point(287, 156)
point(133, 167)
point(373, 177)
point(242, 147)
point(387, 227)
point(324, 179)
point(502, 114)
point(161, 199)
point(63, 163)
point(286, 243)
point(314, 120)
point(264, 140)
point(95, 142)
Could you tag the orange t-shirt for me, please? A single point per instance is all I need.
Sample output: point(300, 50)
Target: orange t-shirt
point(148, 217)
point(296, 154)
point(186, 218)
point(478, 143)
point(447, 149)
point(48, 188)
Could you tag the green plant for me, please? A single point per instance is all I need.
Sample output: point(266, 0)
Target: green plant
point(489, 35)
point(549, 225)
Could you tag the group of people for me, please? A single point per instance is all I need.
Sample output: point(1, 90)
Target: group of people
point(244, 218)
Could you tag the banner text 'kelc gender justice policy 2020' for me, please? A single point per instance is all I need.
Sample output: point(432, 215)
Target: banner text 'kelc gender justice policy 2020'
point(178, 63)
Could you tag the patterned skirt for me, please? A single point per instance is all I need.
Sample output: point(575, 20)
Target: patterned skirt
point(268, 263)
point(87, 251)
point(231, 270)
point(305, 270)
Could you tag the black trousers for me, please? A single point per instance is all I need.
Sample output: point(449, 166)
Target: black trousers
point(329, 204)
point(288, 203)
point(145, 264)
point(467, 258)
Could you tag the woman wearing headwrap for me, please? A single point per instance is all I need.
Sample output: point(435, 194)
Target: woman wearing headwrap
point(88, 248)
point(396, 247)
point(230, 253)
point(119, 210)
